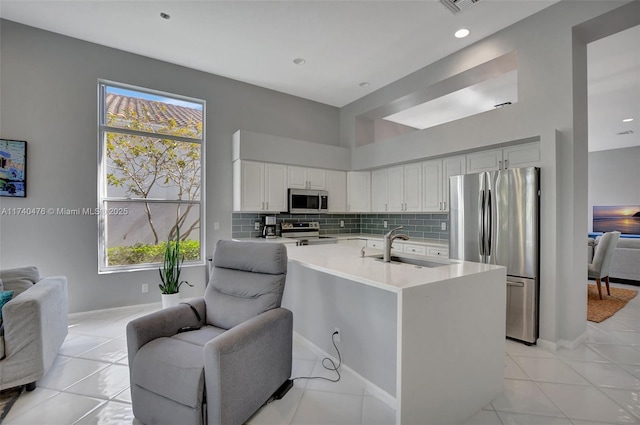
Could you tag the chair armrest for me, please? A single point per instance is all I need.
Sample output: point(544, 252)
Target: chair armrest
point(245, 365)
point(35, 326)
point(163, 323)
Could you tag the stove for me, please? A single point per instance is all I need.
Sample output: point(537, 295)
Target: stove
point(306, 233)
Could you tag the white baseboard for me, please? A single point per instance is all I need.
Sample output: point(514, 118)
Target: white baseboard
point(376, 391)
point(563, 343)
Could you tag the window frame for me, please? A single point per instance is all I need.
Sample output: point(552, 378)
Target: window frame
point(102, 195)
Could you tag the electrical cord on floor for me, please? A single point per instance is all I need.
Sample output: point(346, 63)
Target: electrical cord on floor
point(284, 388)
point(332, 365)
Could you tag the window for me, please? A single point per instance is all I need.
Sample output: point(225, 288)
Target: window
point(150, 178)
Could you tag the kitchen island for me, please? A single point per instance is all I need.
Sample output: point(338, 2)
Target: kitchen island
point(427, 340)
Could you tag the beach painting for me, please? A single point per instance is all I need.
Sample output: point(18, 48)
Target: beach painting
point(625, 219)
point(13, 168)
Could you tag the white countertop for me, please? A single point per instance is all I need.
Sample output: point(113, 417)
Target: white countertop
point(345, 261)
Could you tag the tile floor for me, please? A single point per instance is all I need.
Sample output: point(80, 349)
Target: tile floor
point(597, 383)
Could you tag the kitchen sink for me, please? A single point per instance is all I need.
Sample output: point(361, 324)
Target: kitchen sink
point(420, 262)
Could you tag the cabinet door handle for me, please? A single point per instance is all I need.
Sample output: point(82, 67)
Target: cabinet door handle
point(505, 164)
point(444, 205)
point(500, 165)
point(267, 205)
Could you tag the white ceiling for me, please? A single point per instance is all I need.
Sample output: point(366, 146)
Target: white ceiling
point(344, 43)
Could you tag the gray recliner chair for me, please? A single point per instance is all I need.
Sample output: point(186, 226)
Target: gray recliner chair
point(599, 267)
point(223, 372)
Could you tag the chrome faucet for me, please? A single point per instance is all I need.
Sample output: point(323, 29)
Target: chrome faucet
point(388, 241)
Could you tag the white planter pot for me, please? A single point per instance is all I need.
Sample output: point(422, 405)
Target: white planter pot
point(169, 300)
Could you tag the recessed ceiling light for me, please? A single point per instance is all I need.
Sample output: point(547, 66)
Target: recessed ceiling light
point(462, 33)
point(299, 61)
point(627, 120)
point(364, 84)
point(165, 16)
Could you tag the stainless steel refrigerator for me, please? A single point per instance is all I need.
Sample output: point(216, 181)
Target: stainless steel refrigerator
point(494, 219)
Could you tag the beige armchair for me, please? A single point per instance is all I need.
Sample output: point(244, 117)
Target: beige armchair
point(599, 267)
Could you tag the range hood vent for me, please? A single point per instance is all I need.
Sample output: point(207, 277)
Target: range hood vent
point(456, 6)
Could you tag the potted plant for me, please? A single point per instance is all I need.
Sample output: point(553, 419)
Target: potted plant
point(170, 272)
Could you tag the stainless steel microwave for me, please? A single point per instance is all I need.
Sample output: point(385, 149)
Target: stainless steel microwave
point(305, 201)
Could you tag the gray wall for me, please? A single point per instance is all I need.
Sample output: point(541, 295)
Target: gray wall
point(48, 93)
point(552, 99)
point(614, 178)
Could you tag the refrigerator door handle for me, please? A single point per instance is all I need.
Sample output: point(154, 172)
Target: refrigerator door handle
point(481, 235)
point(489, 224)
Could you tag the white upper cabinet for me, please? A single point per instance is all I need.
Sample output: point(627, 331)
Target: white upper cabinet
point(524, 155)
point(432, 185)
point(337, 188)
point(358, 191)
point(413, 187)
point(307, 178)
point(380, 190)
point(453, 166)
point(436, 173)
point(397, 189)
point(259, 186)
point(484, 161)
point(275, 187)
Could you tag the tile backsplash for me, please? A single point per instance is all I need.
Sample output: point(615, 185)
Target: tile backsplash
point(421, 225)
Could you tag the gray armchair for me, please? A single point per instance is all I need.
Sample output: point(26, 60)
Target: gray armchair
point(599, 267)
point(223, 372)
point(34, 325)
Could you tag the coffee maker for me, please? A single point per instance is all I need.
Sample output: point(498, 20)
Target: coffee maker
point(269, 227)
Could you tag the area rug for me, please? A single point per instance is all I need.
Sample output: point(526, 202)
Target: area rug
point(601, 309)
point(7, 399)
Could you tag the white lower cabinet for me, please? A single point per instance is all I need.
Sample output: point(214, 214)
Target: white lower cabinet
point(410, 248)
point(415, 249)
point(396, 247)
point(374, 243)
point(437, 252)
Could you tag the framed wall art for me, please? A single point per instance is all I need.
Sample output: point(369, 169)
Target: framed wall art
point(13, 168)
point(623, 218)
